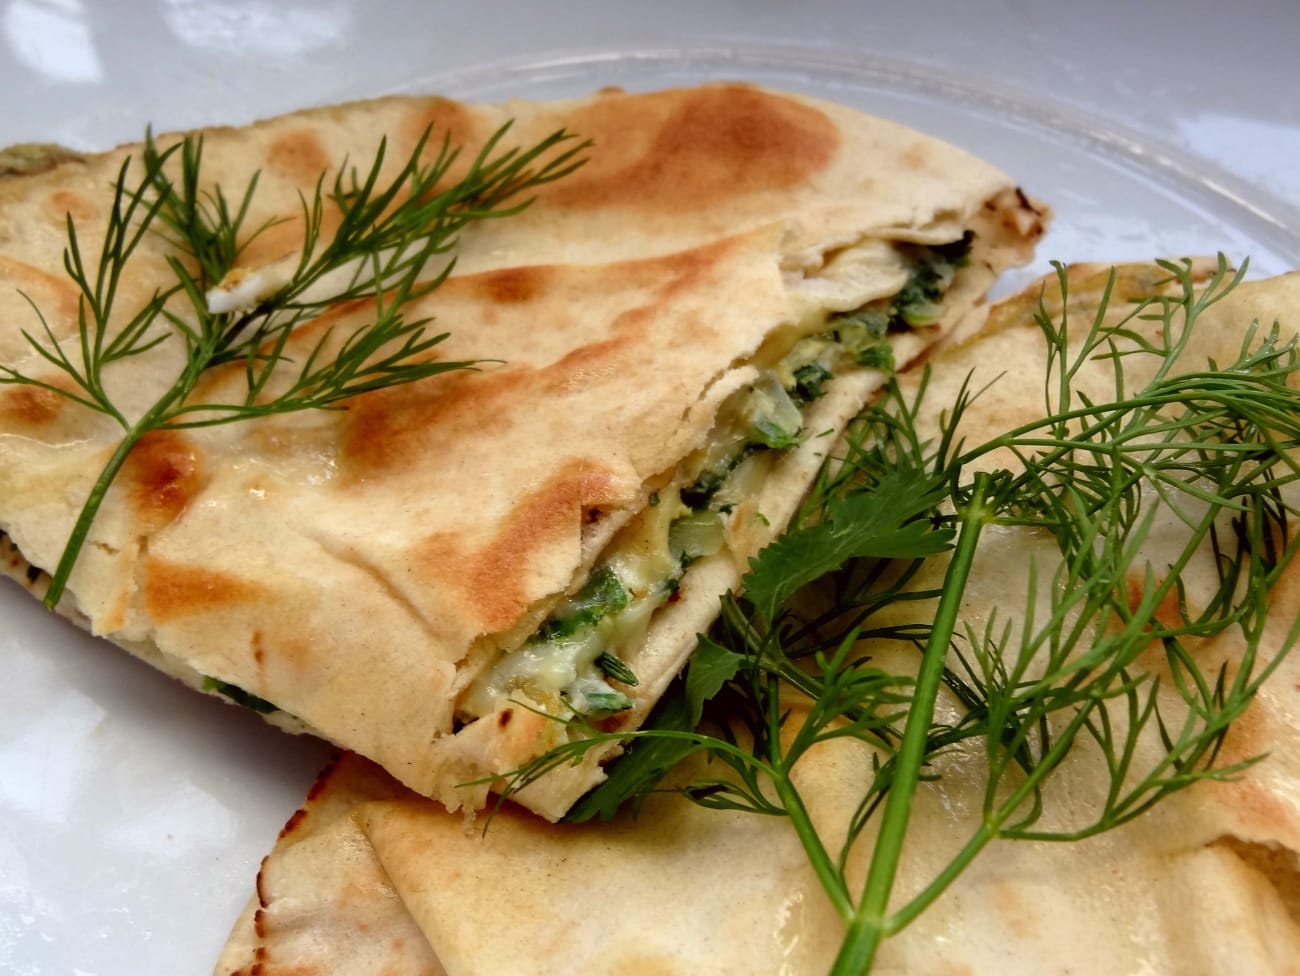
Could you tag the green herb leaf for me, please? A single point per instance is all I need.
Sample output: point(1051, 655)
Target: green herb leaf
point(602, 703)
point(885, 523)
point(878, 356)
point(649, 758)
point(809, 379)
point(640, 769)
point(710, 668)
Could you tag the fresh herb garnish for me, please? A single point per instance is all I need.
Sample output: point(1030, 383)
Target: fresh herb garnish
point(1068, 668)
point(388, 232)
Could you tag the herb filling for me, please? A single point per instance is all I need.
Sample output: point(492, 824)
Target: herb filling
point(239, 696)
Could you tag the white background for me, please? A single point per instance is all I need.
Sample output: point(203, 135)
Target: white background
point(132, 812)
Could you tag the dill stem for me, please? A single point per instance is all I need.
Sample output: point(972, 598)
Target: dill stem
point(990, 827)
point(870, 925)
point(818, 857)
point(81, 529)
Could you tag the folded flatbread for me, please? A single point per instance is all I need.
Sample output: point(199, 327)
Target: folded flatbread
point(1206, 882)
point(682, 326)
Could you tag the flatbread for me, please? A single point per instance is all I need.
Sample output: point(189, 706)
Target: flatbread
point(1206, 882)
point(355, 572)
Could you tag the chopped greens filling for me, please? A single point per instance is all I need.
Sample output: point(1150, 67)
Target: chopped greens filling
point(772, 417)
point(698, 494)
point(592, 696)
point(808, 381)
point(238, 695)
point(694, 535)
point(603, 594)
point(573, 655)
point(864, 336)
point(615, 668)
point(918, 302)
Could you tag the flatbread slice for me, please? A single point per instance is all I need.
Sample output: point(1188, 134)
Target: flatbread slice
point(427, 575)
point(1206, 882)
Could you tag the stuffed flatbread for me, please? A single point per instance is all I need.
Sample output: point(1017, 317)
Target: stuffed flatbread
point(683, 324)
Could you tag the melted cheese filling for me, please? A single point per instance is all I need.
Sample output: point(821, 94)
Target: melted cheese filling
point(560, 665)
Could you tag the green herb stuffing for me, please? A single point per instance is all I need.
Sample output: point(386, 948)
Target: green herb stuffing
point(238, 695)
point(698, 495)
point(917, 303)
point(860, 337)
point(598, 701)
point(766, 415)
point(601, 596)
point(768, 433)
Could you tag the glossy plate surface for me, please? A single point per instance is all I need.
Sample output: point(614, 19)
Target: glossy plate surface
point(132, 812)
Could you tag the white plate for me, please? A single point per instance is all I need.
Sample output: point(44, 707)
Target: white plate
point(132, 812)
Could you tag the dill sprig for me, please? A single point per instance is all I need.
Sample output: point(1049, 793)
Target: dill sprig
point(1066, 675)
point(389, 232)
